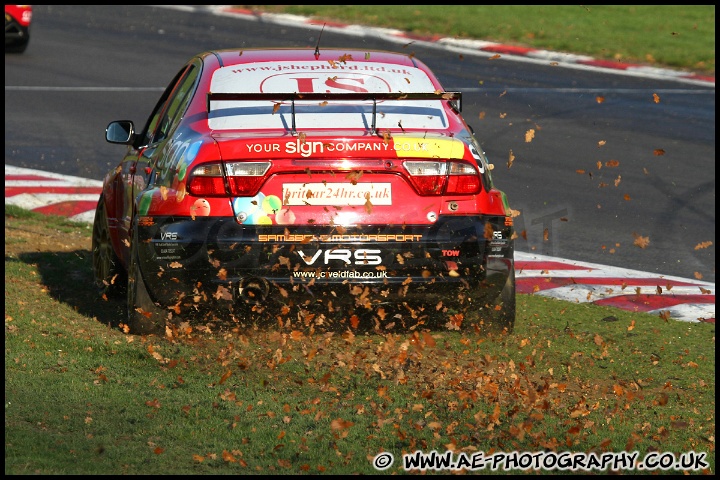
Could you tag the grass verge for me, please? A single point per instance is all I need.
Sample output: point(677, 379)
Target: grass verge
point(675, 36)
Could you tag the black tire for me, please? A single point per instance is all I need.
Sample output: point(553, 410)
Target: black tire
point(110, 275)
point(143, 315)
point(18, 47)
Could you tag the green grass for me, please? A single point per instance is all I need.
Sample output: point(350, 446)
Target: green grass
point(82, 397)
point(672, 36)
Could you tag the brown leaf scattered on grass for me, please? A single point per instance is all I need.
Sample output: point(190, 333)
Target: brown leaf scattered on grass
point(225, 376)
point(228, 457)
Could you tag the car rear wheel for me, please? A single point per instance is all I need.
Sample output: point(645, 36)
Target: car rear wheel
point(498, 315)
point(143, 316)
point(17, 47)
point(110, 275)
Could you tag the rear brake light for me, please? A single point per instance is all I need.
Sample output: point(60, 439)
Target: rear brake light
point(243, 179)
point(443, 178)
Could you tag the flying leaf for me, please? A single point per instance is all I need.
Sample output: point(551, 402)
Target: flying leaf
point(599, 99)
point(703, 245)
point(368, 204)
point(612, 163)
point(276, 107)
point(340, 424)
point(529, 135)
point(656, 98)
point(641, 241)
point(495, 57)
point(601, 143)
point(658, 152)
point(489, 231)
point(511, 159)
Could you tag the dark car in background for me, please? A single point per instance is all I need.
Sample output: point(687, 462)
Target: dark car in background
point(308, 188)
point(17, 27)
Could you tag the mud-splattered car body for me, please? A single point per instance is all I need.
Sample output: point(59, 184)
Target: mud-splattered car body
point(333, 188)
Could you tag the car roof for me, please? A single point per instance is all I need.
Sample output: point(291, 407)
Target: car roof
point(240, 56)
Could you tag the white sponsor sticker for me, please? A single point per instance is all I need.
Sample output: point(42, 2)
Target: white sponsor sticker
point(337, 194)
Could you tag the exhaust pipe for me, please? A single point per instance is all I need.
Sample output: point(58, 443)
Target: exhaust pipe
point(254, 291)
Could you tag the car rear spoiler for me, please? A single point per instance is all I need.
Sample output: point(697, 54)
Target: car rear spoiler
point(455, 99)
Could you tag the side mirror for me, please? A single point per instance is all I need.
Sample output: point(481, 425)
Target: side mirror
point(122, 131)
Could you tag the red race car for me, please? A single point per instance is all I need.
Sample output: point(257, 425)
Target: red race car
point(17, 27)
point(309, 188)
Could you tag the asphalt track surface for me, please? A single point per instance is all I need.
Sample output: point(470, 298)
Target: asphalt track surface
point(679, 298)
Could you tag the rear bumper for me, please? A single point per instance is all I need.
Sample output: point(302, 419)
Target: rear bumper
point(459, 262)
